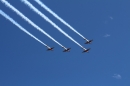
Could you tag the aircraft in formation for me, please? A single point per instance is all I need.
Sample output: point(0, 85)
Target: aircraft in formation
point(68, 49)
point(51, 49)
point(41, 30)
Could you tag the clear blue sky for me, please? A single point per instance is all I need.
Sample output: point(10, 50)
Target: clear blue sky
point(25, 62)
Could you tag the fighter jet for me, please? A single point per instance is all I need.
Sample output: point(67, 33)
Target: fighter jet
point(88, 42)
point(50, 48)
point(86, 50)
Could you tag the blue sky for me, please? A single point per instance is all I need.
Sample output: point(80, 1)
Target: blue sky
point(25, 62)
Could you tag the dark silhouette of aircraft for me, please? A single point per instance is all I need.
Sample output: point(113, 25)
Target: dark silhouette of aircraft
point(50, 48)
point(88, 42)
point(67, 50)
point(86, 50)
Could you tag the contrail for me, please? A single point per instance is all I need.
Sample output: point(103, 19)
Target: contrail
point(21, 28)
point(29, 21)
point(48, 20)
point(59, 18)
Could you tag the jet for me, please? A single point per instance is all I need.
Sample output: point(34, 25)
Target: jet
point(88, 42)
point(86, 50)
point(66, 49)
point(50, 48)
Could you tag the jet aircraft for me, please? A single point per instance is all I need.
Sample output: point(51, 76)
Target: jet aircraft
point(88, 42)
point(66, 49)
point(50, 48)
point(86, 50)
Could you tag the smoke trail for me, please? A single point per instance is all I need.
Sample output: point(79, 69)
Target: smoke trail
point(20, 27)
point(29, 21)
point(59, 18)
point(48, 20)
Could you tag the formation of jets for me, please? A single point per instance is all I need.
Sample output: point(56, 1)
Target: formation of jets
point(33, 8)
point(68, 49)
point(85, 50)
point(65, 49)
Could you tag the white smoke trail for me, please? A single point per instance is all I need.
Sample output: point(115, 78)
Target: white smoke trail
point(48, 20)
point(59, 18)
point(29, 21)
point(20, 27)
